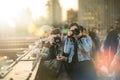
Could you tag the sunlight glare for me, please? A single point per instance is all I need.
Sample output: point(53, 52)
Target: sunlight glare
point(10, 10)
point(68, 4)
point(38, 8)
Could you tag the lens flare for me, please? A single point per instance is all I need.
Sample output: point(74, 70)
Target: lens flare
point(103, 62)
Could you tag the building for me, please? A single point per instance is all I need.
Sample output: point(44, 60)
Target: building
point(112, 11)
point(72, 15)
point(54, 12)
point(99, 13)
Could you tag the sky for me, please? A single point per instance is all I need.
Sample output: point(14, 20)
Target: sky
point(67, 4)
point(9, 9)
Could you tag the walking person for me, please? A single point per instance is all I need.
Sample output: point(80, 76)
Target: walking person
point(96, 42)
point(111, 43)
point(115, 65)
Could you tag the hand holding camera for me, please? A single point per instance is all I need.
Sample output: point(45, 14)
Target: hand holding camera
point(76, 31)
point(80, 34)
point(55, 40)
point(61, 58)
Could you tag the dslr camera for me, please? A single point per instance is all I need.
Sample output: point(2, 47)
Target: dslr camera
point(76, 31)
point(57, 40)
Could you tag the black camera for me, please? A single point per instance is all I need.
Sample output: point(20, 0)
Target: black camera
point(76, 31)
point(57, 40)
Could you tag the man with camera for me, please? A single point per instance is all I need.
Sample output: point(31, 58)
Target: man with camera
point(77, 54)
point(51, 52)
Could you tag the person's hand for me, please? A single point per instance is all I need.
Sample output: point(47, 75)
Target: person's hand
point(49, 41)
point(58, 57)
point(61, 58)
point(47, 44)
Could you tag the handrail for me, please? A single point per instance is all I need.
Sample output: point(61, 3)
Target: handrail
point(4, 73)
point(36, 64)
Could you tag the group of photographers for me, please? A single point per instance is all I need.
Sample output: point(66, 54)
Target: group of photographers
point(72, 50)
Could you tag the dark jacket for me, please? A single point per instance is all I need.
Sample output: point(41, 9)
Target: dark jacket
point(48, 54)
point(112, 41)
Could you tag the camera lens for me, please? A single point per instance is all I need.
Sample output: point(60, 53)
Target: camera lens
point(57, 39)
point(76, 31)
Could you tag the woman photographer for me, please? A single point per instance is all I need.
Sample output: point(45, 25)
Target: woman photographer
point(50, 55)
point(77, 54)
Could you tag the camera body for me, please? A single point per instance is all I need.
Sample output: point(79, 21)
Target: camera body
point(57, 40)
point(76, 31)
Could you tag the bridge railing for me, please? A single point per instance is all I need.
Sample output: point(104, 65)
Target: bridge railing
point(22, 61)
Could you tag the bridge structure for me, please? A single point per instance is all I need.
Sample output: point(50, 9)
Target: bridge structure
point(24, 67)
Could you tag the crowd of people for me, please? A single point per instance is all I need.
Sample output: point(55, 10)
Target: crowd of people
point(73, 56)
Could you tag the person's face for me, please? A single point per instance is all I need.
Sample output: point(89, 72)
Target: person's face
point(110, 30)
point(70, 31)
point(96, 31)
point(117, 24)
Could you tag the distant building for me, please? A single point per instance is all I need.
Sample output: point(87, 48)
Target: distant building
point(112, 11)
point(72, 15)
point(98, 12)
point(90, 12)
point(54, 12)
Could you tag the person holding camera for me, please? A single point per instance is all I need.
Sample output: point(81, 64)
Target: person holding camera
point(77, 49)
point(52, 50)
